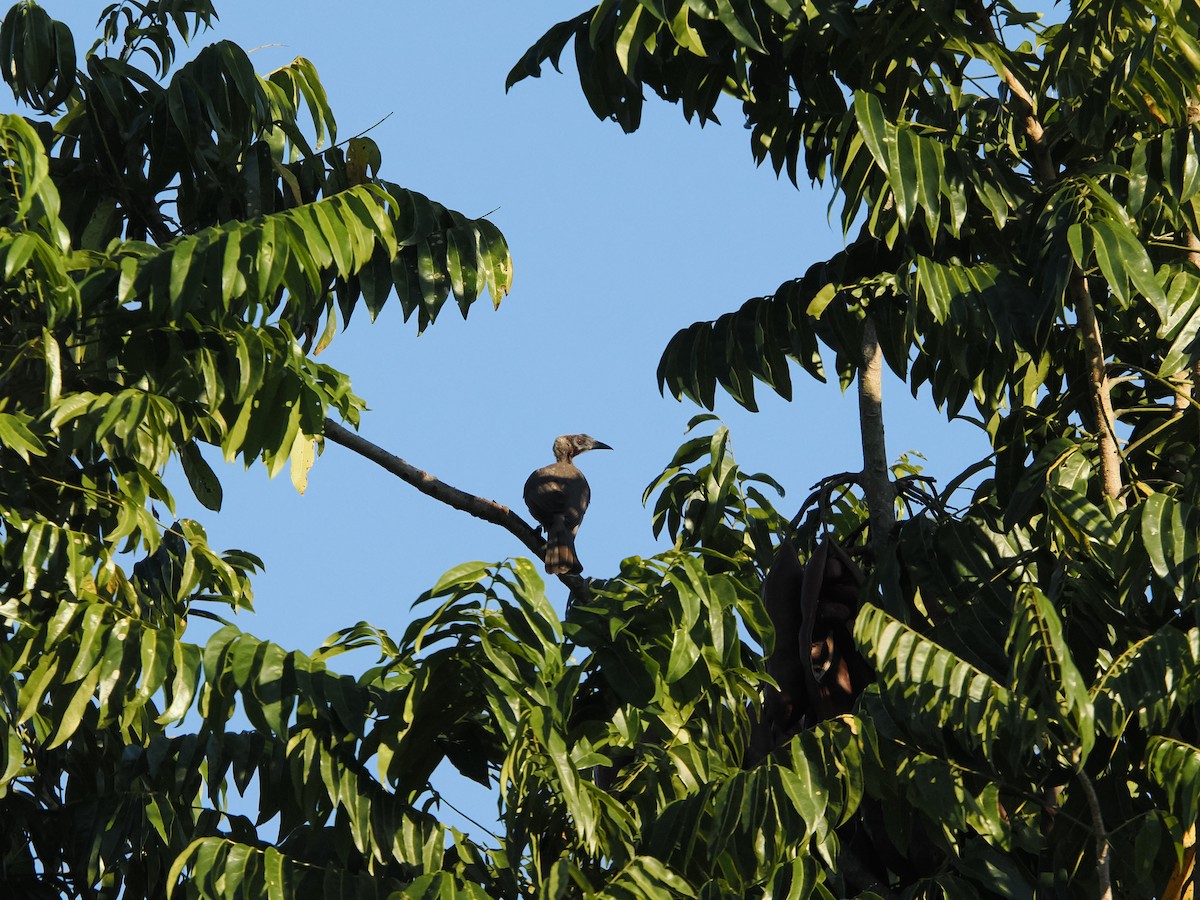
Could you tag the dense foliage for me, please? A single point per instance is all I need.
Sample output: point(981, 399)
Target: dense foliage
point(1024, 200)
point(1005, 700)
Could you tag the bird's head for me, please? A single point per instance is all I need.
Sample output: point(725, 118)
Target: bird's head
point(568, 446)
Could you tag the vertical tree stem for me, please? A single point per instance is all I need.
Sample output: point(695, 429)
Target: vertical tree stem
point(1106, 434)
point(1189, 378)
point(1103, 863)
point(877, 485)
point(1046, 172)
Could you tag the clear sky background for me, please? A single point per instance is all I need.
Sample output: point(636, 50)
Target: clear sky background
point(617, 240)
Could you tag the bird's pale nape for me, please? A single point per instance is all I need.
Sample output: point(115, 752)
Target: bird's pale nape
point(557, 496)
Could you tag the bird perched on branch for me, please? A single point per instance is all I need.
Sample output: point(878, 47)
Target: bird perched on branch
point(557, 495)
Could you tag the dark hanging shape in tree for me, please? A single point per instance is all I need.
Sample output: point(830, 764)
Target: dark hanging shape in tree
point(814, 660)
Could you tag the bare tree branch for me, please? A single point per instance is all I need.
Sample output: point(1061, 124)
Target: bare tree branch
point(1022, 101)
point(480, 507)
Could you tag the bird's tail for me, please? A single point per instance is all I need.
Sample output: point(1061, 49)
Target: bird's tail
point(560, 550)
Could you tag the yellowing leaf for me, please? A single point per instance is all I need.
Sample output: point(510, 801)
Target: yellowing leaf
point(303, 453)
point(823, 298)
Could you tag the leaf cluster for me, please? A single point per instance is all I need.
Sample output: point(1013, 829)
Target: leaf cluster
point(176, 246)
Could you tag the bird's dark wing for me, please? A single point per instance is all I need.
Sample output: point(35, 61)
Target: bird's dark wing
point(557, 490)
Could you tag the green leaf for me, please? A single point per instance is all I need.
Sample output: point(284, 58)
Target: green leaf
point(1122, 259)
point(903, 174)
point(1043, 667)
point(462, 574)
point(1175, 767)
point(930, 163)
point(1169, 534)
point(1153, 680)
point(738, 17)
point(182, 271)
point(876, 131)
point(68, 722)
point(203, 480)
point(16, 436)
point(821, 301)
point(933, 689)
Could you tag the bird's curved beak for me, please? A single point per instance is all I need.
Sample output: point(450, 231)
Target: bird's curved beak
point(600, 445)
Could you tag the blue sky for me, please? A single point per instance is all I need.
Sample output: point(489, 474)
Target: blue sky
point(617, 240)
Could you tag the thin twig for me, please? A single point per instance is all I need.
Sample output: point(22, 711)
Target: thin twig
point(441, 800)
point(1103, 863)
point(366, 130)
point(822, 491)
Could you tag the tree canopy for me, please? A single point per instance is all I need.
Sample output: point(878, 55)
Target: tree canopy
point(1022, 200)
point(991, 689)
